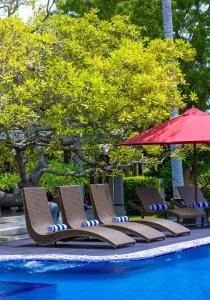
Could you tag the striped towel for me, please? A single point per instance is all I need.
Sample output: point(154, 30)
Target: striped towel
point(57, 227)
point(155, 207)
point(90, 223)
point(120, 219)
point(200, 204)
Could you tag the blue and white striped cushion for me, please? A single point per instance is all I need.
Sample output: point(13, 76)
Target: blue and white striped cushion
point(200, 204)
point(57, 227)
point(120, 219)
point(157, 206)
point(193, 204)
point(90, 223)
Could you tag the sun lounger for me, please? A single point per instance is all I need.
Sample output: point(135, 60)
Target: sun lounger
point(148, 196)
point(39, 218)
point(102, 206)
point(188, 196)
point(73, 214)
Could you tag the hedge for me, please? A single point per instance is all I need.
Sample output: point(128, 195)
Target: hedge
point(206, 193)
point(130, 184)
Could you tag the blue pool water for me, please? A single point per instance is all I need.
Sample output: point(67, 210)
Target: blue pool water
point(182, 275)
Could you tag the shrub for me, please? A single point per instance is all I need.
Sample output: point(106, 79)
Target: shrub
point(8, 181)
point(203, 180)
point(130, 184)
point(51, 181)
point(206, 193)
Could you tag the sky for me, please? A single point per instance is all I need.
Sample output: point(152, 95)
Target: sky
point(26, 11)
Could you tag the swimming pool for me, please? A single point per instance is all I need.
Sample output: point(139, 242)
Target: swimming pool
point(179, 275)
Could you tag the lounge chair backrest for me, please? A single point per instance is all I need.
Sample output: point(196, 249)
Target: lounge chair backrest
point(37, 212)
point(72, 206)
point(188, 194)
point(102, 202)
point(148, 196)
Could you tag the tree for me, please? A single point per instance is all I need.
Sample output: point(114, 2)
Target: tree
point(176, 163)
point(10, 7)
point(84, 84)
point(40, 12)
point(190, 22)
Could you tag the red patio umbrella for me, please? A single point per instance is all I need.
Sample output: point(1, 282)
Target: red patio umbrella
point(191, 127)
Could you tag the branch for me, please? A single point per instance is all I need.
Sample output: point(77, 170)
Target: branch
point(73, 173)
point(11, 7)
point(100, 168)
point(48, 12)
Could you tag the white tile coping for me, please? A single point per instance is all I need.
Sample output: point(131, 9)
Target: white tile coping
point(144, 254)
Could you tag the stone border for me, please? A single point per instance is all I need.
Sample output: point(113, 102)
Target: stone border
point(144, 254)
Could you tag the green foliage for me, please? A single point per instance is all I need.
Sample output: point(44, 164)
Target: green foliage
point(204, 180)
point(8, 181)
point(185, 152)
point(130, 184)
point(206, 193)
point(91, 79)
point(51, 181)
point(190, 22)
point(7, 162)
point(96, 81)
point(166, 174)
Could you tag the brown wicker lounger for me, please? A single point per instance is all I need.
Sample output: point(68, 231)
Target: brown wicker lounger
point(73, 214)
point(188, 196)
point(148, 196)
point(102, 207)
point(38, 218)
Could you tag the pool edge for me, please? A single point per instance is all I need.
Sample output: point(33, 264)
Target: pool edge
point(144, 254)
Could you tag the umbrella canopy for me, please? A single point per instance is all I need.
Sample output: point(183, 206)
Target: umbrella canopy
point(192, 127)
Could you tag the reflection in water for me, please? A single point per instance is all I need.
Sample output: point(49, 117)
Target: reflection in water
point(18, 289)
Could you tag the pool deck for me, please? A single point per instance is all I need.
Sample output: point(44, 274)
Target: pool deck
point(96, 250)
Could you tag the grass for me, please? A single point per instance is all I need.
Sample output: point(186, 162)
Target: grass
point(136, 218)
point(3, 239)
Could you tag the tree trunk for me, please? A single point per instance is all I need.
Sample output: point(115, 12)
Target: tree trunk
point(188, 175)
point(66, 155)
point(176, 163)
point(21, 162)
point(167, 19)
point(15, 199)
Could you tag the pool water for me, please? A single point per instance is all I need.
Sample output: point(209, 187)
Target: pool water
point(182, 275)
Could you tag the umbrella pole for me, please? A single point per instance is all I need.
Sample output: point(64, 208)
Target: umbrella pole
point(195, 171)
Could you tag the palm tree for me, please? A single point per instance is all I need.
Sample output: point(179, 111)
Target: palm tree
point(176, 163)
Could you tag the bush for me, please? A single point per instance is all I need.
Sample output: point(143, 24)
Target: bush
point(166, 174)
point(130, 184)
point(206, 193)
point(8, 181)
point(51, 181)
point(203, 180)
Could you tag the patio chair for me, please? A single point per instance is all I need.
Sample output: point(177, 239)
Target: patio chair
point(38, 218)
point(188, 196)
point(103, 210)
point(149, 195)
